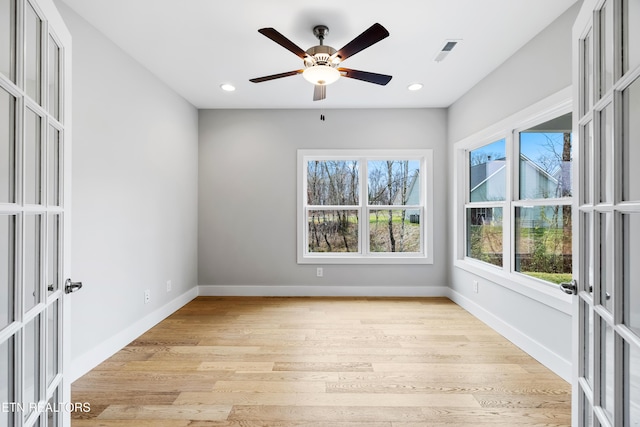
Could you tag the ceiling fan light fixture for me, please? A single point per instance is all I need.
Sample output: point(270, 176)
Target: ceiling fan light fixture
point(321, 75)
point(227, 87)
point(414, 86)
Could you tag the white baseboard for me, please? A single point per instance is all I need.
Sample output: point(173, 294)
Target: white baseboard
point(322, 291)
point(542, 354)
point(86, 362)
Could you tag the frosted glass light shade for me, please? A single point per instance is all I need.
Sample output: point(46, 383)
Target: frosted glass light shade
point(321, 75)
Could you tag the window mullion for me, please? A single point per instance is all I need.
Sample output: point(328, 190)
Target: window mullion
point(363, 224)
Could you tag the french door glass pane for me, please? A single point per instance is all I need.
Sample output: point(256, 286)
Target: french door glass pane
point(7, 373)
point(53, 254)
point(52, 342)
point(587, 411)
point(587, 163)
point(606, 261)
point(333, 231)
point(394, 230)
point(32, 154)
point(31, 389)
point(545, 160)
point(606, 47)
point(631, 271)
point(333, 182)
point(7, 268)
point(32, 261)
point(543, 242)
point(606, 154)
point(587, 360)
point(632, 385)
point(587, 60)
point(52, 415)
point(487, 172)
point(484, 235)
point(393, 182)
point(7, 147)
point(631, 148)
point(8, 38)
point(53, 187)
point(631, 34)
point(33, 54)
point(587, 248)
point(54, 78)
point(607, 363)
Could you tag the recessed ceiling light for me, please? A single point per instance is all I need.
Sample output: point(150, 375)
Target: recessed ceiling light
point(415, 86)
point(227, 87)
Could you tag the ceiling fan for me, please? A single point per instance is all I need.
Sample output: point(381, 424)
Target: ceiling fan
point(322, 63)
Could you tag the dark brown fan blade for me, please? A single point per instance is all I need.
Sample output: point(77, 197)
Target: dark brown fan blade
point(319, 92)
point(275, 76)
point(379, 79)
point(369, 37)
point(274, 35)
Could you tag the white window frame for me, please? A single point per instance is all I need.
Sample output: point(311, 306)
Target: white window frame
point(551, 107)
point(363, 256)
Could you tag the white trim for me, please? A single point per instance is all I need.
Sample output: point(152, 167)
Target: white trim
point(322, 291)
point(107, 348)
point(559, 365)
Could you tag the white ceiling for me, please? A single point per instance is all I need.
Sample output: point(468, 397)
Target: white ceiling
point(196, 45)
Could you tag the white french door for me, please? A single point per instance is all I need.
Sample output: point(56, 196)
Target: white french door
point(606, 39)
point(34, 212)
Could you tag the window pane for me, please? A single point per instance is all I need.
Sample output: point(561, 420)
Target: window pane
point(32, 154)
point(606, 261)
point(588, 73)
point(631, 148)
point(8, 38)
point(632, 386)
point(607, 367)
point(54, 78)
point(484, 234)
point(32, 241)
point(587, 164)
point(53, 253)
point(55, 152)
point(631, 270)
point(7, 373)
point(52, 342)
point(394, 230)
point(606, 154)
point(606, 47)
point(487, 173)
point(545, 160)
point(7, 147)
point(332, 182)
point(31, 365)
point(393, 182)
point(631, 34)
point(7, 268)
point(543, 242)
point(333, 231)
point(587, 368)
point(33, 54)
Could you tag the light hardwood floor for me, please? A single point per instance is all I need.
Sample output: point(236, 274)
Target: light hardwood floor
point(311, 362)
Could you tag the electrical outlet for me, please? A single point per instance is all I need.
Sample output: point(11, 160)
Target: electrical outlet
point(319, 272)
point(168, 285)
point(475, 286)
point(147, 296)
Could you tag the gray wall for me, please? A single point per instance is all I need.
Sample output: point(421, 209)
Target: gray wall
point(134, 189)
point(247, 194)
point(541, 68)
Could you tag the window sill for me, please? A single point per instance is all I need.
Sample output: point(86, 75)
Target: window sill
point(543, 292)
point(370, 260)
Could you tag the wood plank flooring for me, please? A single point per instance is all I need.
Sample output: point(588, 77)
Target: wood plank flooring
point(313, 362)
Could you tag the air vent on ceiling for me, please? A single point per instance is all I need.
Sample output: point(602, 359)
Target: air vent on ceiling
point(446, 49)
